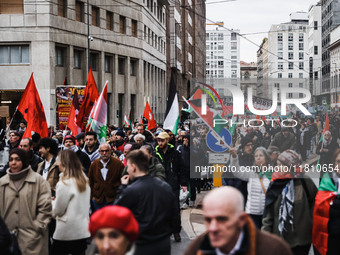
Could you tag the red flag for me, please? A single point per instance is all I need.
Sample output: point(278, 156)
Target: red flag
point(326, 128)
point(72, 118)
point(91, 94)
point(149, 116)
point(33, 111)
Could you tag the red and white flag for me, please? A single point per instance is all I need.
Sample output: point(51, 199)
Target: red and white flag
point(149, 116)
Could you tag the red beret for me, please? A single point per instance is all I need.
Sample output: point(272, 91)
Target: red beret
point(117, 217)
point(71, 137)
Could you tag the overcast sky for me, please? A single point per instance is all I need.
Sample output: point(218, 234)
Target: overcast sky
point(251, 16)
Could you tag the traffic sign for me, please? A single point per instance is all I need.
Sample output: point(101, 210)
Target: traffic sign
point(219, 143)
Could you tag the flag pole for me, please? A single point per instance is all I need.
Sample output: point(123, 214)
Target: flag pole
point(9, 126)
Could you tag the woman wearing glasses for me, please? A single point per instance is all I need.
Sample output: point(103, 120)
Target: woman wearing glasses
point(71, 206)
point(326, 218)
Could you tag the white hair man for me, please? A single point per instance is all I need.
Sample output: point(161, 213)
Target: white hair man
point(139, 138)
point(230, 230)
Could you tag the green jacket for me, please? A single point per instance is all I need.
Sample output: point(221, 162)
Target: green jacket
point(156, 169)
point(303, 215)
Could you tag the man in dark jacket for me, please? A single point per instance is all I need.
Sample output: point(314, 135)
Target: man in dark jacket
point(284, 140)
point(70, 144)
point(151, 201)
point(27, 145)
point(231, 231)
point(176, 176)
point(91, 147)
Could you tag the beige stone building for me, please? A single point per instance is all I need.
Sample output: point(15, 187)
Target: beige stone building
point(50, 38)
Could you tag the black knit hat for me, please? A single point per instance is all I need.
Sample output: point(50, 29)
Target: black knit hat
point(245, 140)
point(22, 155)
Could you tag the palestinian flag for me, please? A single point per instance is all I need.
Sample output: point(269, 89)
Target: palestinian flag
point(172, 109)
point(98, 117)
point(323, 200)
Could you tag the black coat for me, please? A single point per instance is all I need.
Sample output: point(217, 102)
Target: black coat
point(85, 160)
point(152, 202)
point(175, 172)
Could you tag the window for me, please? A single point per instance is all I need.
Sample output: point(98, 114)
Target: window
point(290, 46)
point(300, 75)
point(77, 59)
point(108, 64)
point(290, 65)
point(276, 85)
point(290, 95)
point(220, 47)
point(134, 28)
point(290, 75)
point(133, 67)
point(301, 65)
point(315, 25)
point(279, 37)
point(315, 50)
point(220, 36)
point(94, 61)
point(316, 75)
point(62, 6)
point(280, 55)
point(290, 55)
point(301, 55)
point(109, 20)
point(79, 11)
point(14, 54)
point(301, 37)
point(290, 37)
point(122, 24)
point(301, 85)
point(280, 66)
point(11, 6)
point(60, 56)
point(233, 45)
point(279, 46)
point(301, 46)
point(121, 65)
point(290, 85)
point(95, 16)
point(279, 75)
point(233, 36)
point(207, 36)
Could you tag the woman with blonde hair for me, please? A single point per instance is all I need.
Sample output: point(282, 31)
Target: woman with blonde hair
point(71, 206)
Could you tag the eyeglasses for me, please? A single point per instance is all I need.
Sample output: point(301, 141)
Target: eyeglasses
point(104, 151)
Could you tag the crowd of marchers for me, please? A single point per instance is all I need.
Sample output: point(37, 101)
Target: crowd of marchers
point(60, 192)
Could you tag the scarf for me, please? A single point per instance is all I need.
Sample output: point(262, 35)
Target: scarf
point(326, 143)
point(286, 208)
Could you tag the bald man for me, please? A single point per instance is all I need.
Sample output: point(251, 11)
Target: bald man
point(230, 230)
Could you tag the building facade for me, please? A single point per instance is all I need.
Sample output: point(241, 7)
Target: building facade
point(334, 53)
point(262, 70)
point(186, 44)
point(50, 38)
point(287, 55)
point(222, 58)
point(315, 52)
point(330, 11)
